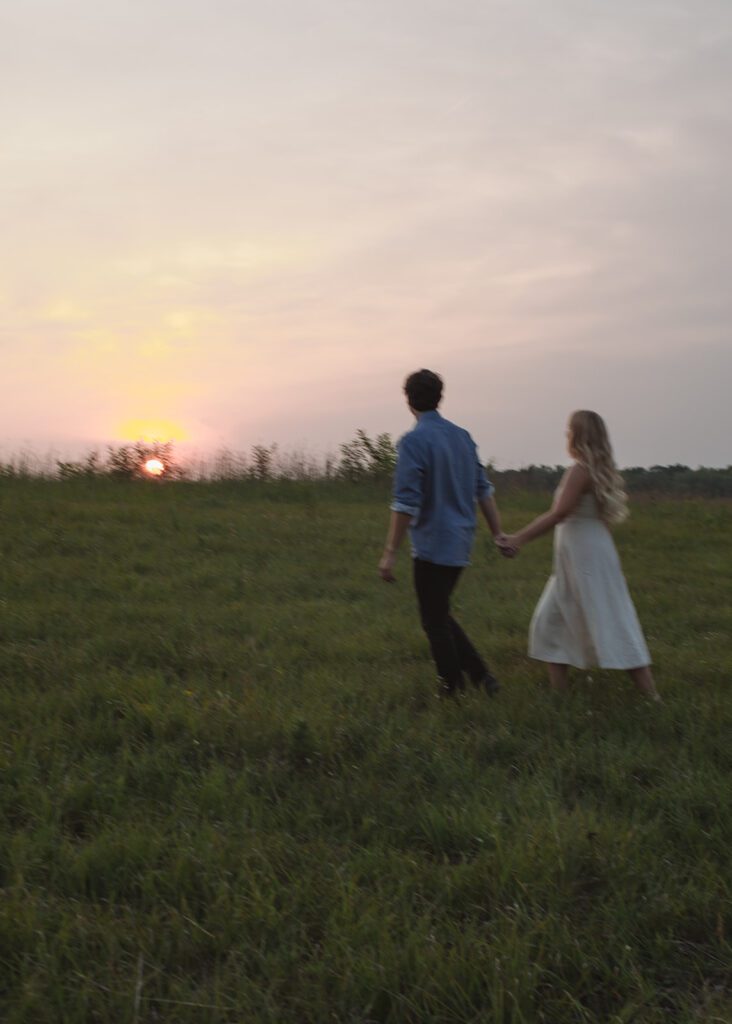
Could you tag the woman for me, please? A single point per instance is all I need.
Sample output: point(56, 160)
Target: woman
point(585, 615)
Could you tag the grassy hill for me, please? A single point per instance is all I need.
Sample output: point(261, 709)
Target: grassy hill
point(229, 793)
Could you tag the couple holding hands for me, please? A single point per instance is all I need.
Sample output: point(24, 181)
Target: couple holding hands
point(585, 616)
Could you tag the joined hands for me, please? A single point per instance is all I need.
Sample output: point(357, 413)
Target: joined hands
point(507, 545)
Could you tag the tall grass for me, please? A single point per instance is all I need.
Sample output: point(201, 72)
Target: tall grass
point(229, 793)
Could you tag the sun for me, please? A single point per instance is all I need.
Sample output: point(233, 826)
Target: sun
point(154, 467)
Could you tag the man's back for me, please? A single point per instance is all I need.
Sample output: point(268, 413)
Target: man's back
point(438, 480)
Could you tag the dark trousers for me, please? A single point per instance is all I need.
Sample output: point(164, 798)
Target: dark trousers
point(452, 652)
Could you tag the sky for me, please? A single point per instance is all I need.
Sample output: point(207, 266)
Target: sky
point(232, 222)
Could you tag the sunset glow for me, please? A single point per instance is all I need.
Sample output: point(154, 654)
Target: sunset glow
point(151, 431)
point(154, 467)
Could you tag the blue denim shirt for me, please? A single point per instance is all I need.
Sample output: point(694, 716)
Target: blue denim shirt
point(438, 480)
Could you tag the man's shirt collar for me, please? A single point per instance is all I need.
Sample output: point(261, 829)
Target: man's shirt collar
point(431, 416)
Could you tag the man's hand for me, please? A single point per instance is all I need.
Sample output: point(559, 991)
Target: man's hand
point(507, 545)
point(398, 526)
point(386, 566)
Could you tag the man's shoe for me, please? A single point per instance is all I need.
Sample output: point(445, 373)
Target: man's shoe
point(489, 683)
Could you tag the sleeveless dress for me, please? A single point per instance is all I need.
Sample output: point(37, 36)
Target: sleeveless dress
point(585, 616)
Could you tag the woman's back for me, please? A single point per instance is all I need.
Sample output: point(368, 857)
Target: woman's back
point(586, 508)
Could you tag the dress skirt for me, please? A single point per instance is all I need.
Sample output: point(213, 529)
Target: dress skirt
point(585, 616)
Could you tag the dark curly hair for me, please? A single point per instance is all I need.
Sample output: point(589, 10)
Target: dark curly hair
point(423, 390)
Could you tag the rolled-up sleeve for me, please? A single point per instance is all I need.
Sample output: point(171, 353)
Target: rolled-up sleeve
point(408, 479)
point(483, 487)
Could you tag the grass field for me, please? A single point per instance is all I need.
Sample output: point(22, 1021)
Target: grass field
point(230, 795)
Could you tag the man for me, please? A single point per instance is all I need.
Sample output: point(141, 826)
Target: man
point(437, 483)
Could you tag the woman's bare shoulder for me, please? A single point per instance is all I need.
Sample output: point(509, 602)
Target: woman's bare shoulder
point(575, 482)
point(578, 473)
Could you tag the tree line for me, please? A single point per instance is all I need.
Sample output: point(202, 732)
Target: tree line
point(361, 459)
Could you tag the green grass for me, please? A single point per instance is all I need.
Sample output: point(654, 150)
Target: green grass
point(230, 795)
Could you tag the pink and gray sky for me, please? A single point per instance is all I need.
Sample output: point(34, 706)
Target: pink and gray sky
point(233, 222)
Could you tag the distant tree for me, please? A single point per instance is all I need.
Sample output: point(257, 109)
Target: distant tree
point(298, 465)
point(122, 463)
point(381, 453)
point(91, 466)
point(69, 470)
point(351, 465)
point(330, 466)
point(367, 457)
point(229, 465)
point(262, 462)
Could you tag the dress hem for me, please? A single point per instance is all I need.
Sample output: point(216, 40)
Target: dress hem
point(585, 667)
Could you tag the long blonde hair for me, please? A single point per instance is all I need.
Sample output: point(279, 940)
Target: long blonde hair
point(589, 443)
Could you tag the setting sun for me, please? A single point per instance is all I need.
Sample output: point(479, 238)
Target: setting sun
point(154, 467)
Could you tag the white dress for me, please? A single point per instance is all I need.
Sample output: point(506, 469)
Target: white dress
point(585, 616)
